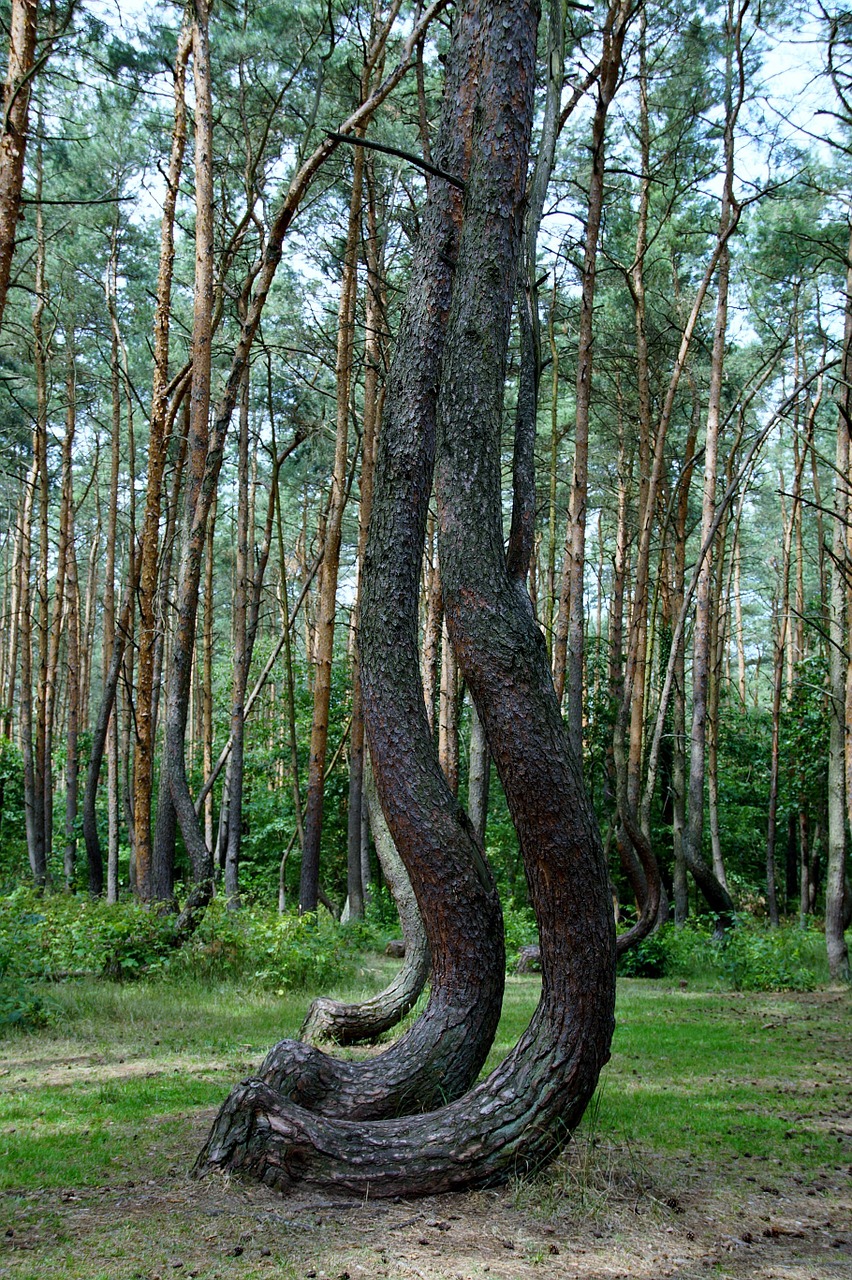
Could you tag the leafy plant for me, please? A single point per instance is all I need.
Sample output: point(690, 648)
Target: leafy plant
point(759, 959)
point(20, 1005)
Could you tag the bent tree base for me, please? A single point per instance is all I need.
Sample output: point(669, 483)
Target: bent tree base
point(511, 1124)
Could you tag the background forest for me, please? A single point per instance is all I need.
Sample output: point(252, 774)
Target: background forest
point(205, 288)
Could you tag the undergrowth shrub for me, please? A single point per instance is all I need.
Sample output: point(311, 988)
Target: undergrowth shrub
point(20, 1005)
point(52, 937)
point(752, 958)
point(521, 930)
point(749, 957)
point(267, 949)
point(648, 959)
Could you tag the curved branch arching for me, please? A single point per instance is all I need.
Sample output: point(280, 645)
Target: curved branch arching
point(368, 1019)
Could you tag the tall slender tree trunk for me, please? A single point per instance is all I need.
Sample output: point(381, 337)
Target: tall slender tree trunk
point(33, 724)
point(680, 887)
point(327, 607)
point(23, 20)
point(434, 611)
point(448, 718)
point(34, 828)
point(200, 484)
point(206, 682)
point(838, 660)
point(373, 322)
point(72, 641)
point(241, 660)
point(703, 596)
point(143, 766)
point(570, 627)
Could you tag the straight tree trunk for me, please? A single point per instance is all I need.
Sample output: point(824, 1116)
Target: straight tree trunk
point(327, 607)
point(34, 827)
point(838, 660)
point(570, 626)
point(701, 634)
point(448, 719)
point(199, 489)
point(242, 659)
point(109, 569)
point(23, 20)
point(681, 894)
point(479, 775)
point(430, 664)
point(143, 760)
point(206, 690)
point(373, 320)
point(33, 725)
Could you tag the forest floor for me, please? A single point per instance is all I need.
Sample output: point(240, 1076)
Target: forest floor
point(719, 1145)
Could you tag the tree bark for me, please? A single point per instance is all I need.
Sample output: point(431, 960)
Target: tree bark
point(327, 607)
point(143, 766)
point(838, 660)
point(200, 487)
point(72, 627)
point(13, 138)
point(441, 1054)
point(570, 625)
point(479, 775)
point(523, 1114)
point(448, 714)
point(718, 899)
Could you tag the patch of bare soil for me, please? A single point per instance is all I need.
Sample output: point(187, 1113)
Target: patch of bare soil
point(603, 1213)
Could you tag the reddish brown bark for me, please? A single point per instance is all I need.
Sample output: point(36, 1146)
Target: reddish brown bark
point(13, 136)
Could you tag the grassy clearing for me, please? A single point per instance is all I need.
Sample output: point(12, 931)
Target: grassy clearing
point(103, 1111)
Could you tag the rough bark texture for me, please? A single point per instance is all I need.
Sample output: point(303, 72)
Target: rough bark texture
point(443, 1052)
point(524, 1112)
point(13, 138)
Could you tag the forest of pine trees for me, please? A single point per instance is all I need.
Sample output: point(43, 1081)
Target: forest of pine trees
point(206, 225)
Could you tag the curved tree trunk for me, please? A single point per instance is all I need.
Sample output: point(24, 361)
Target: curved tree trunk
point(441, 1055)
point(356, 1023)
point(523, 1113)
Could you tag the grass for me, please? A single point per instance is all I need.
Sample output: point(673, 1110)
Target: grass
point(109, 1103)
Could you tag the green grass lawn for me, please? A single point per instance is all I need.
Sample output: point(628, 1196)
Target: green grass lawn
point(114, 1095)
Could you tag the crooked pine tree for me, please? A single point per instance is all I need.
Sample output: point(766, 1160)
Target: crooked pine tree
point(522, 1114)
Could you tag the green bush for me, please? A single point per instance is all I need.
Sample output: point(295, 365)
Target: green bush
point(20, 1006)
point(51, 937)
point(521, 930)
point(752, 958)
point(648, 959)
